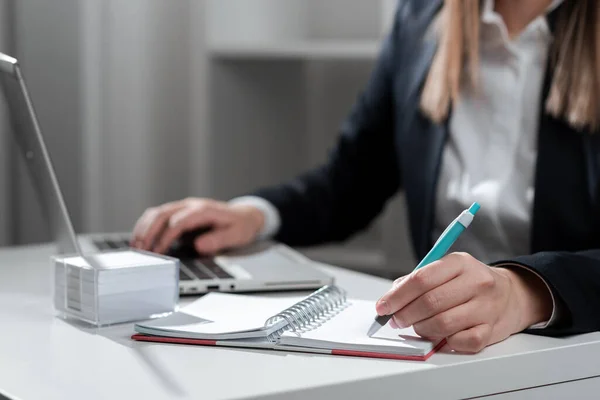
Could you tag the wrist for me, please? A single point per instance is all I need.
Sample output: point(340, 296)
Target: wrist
point(253, 215)
point(530, 296)
point(268, 221)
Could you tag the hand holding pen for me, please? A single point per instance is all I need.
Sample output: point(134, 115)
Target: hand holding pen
point(460, 299)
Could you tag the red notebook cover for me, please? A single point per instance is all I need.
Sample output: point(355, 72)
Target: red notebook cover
point(162, 339)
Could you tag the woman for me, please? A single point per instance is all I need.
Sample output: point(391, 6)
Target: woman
point(495, 102)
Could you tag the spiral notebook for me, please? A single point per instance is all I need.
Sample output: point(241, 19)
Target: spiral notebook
point(325, 322)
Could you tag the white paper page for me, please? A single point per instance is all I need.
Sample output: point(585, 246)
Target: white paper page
point(348, 330)
point(220, 313)
point(117, 259)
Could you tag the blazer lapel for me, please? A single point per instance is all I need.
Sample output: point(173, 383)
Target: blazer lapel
point(565, 214)
point(566, 184)
point(420, 142)
point(591, 148)
point(421, 172)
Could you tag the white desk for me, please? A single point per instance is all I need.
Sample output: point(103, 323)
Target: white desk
point(42, 357)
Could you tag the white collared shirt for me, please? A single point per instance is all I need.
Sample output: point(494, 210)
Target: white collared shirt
point(491, 150)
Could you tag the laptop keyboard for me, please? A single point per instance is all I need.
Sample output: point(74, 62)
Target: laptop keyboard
point(197, 269)
point(183, 276)
point(111, 244)
point(203, 269)
point(215, 268)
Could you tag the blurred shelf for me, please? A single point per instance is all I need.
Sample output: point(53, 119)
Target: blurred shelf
point(302, 50)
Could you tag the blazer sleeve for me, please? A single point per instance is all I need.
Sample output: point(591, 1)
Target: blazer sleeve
point(574, 278)
point(341, 197)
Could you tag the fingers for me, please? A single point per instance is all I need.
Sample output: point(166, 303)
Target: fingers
point(142, 225)
point(419, 282)
point(152, 223)
point(471, 340)
point(442, 298)
point(187, 219)
point(458, 298)
point(452, 321)
point(217, 240)
point(229, 226)
point(174, 227)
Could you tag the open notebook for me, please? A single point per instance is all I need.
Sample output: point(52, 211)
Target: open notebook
point(323, 322)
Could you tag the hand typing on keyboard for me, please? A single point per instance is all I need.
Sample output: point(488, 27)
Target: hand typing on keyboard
point(229, 226)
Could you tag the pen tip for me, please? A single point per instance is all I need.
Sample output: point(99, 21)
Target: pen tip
point(373, 329)
point(474, 208)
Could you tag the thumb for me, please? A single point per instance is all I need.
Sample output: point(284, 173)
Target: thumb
point(217, 240)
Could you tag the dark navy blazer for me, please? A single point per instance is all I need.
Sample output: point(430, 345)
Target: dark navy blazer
point(386, 144)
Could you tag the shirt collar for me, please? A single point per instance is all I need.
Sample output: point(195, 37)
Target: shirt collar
point(488, 7)
point(491, 17)
point(554, 4)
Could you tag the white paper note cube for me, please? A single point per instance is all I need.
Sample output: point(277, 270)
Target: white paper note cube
point(116, 286)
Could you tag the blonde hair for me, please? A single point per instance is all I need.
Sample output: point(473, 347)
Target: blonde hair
point(575, 57)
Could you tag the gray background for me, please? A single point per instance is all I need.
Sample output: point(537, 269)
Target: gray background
point(136, 111)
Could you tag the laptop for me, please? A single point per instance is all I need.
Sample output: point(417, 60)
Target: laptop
point(263, 266)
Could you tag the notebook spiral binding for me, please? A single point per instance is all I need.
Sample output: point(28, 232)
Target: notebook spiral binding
point(311, 312)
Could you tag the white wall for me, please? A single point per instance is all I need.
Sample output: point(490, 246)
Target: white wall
point(114, 87)
point(123, 90)
point(200, 138)
point(47, 42)
point(343, 19)
point(137, 113)
point(143, 111)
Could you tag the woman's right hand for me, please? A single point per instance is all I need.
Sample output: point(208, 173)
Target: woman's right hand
point(231, 225)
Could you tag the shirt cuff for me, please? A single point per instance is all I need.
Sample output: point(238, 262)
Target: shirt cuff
point(554, 317)
point(270, 212)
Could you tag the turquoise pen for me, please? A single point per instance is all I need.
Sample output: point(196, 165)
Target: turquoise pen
point(439, 249)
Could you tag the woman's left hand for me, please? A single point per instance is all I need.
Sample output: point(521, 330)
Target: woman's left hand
point(467, 302)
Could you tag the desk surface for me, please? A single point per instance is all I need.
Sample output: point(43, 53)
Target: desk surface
point(46, 357)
